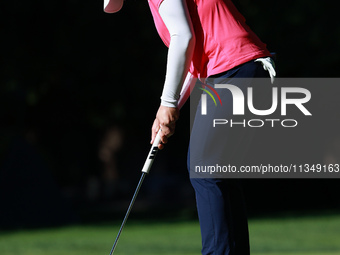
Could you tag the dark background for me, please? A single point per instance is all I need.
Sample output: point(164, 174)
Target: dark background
point(79, 90)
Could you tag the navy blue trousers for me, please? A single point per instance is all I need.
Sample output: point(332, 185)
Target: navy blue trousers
point(220, 201)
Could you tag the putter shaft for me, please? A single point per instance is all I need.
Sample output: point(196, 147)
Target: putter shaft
point(129, 210)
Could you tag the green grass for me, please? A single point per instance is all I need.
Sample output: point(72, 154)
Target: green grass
point(296, 236)
point(317, 235)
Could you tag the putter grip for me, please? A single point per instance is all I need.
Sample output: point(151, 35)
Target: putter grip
point(152, 154)
point(185, 93)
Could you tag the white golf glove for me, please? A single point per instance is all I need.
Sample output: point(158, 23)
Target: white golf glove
point(268, 65)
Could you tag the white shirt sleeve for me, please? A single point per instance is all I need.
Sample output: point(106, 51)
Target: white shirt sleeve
point(176, 17)
point(187, 88)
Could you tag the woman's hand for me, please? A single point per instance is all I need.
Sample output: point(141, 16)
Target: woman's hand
point(165, 120)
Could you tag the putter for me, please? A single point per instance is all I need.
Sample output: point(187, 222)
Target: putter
point(185, 93)
point(145, 171)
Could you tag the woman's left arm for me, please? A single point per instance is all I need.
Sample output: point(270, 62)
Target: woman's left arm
point(176, 17)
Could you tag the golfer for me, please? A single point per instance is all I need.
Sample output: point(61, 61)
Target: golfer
point(210, 41)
